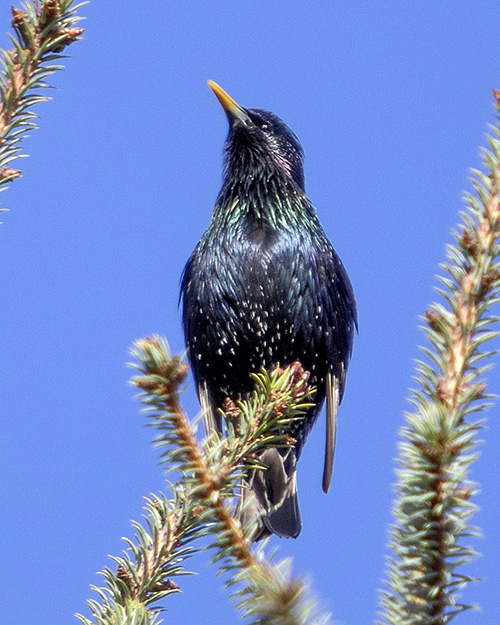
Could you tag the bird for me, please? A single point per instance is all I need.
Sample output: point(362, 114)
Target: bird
point(264, 286)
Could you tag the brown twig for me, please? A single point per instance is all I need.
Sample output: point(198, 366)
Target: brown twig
point(173, 374)
point(163, 380)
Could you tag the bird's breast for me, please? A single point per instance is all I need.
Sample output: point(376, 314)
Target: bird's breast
point(259, 233)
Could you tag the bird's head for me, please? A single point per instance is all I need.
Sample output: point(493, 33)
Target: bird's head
point(259, 142)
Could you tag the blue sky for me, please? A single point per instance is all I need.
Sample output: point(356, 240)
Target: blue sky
point(390, 101)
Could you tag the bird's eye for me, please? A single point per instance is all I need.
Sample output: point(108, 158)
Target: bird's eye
point(264, 126)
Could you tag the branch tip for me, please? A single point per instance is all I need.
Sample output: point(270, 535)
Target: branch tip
point(51, 9)
point(7, 174)
point(18, 17)
point(42, 29)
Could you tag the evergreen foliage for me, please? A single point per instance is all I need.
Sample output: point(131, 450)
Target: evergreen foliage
point(42, 31)
point(204, 495)
point(434, 495)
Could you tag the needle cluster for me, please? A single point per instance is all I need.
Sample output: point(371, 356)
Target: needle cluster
point(42, 31)
point(434, 495)
point(206, 479)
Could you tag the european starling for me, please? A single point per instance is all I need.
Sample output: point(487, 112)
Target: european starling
point(264, 286)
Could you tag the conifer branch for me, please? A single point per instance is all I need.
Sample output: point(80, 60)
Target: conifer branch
point(204, 499)
point(434, 495)
point(42, 31)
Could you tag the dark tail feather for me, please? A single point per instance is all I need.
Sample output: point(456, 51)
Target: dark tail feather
point(271, 496)
point(284, 520)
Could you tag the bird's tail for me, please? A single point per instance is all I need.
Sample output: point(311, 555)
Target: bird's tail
point(270, 496)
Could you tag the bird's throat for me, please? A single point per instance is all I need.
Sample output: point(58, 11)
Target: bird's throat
point(263, 201)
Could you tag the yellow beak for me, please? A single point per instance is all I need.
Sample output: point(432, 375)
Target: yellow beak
point(234, 111)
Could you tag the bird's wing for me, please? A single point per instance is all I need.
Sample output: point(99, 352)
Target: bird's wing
point(340, 308)
point(332, 405)
point(210, 419)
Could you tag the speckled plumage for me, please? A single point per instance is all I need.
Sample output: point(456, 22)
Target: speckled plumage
point(265, 286)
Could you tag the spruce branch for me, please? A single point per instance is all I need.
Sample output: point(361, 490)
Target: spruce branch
point(209, 474)
point(42, 31)
point(434, 494)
